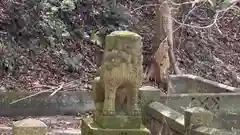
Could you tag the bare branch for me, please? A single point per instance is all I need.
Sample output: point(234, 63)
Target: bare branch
point(58, 89)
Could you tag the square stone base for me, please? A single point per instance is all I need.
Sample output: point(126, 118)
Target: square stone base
point(118, 122)
point(88, 127)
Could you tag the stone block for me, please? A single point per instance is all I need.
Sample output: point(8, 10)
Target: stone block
point(196, 117)
point(118, 121)
point(88, 127)
point(29, 127)
point(148, 94)
point(211, 131)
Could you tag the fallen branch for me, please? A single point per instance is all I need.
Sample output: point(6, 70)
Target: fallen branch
point(31, 96)
point(56, 88)
point(37, 85)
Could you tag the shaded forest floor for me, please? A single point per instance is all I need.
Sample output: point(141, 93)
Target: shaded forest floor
point(212, 53)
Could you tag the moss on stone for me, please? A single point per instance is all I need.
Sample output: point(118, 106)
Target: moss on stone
point(88, 127)
point(119, 122)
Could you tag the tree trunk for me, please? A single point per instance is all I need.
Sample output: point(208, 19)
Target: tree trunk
point(163, 55)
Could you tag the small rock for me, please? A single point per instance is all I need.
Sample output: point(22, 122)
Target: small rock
point(29, 127)
point(3, 89)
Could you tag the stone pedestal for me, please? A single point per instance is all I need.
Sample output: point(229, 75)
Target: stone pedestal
point(119, 122)
point(91, 128)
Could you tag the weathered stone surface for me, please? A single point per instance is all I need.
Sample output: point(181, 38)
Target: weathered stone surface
point(214, 102)
point(227, 120)
point(167, 115)
point(211, 131)
point(148, 94)
point(63, 103)
point(65, 132)
point(196, 117)
point(90, 128)
point(29, 127)
point(116, 88)
point(197, 121)
point(50, 132)
point(120, 74)
point(157, 127)
point(119, 122)
point(188, 83)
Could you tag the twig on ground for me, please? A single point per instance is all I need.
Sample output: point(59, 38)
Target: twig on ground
point(58, 89)
point(40, 92)
point(37, 85)
point(90, 62)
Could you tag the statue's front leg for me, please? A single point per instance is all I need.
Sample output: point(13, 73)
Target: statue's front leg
point(132, 102)
point(135, 111)
point(109, 101)
point(97, 93)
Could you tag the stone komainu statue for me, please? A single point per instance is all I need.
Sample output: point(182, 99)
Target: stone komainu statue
point(120, 75)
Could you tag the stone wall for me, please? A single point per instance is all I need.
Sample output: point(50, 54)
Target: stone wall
point(162, 120)
point(188, 83)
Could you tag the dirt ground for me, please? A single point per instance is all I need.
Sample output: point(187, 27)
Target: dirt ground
point(212, 53)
